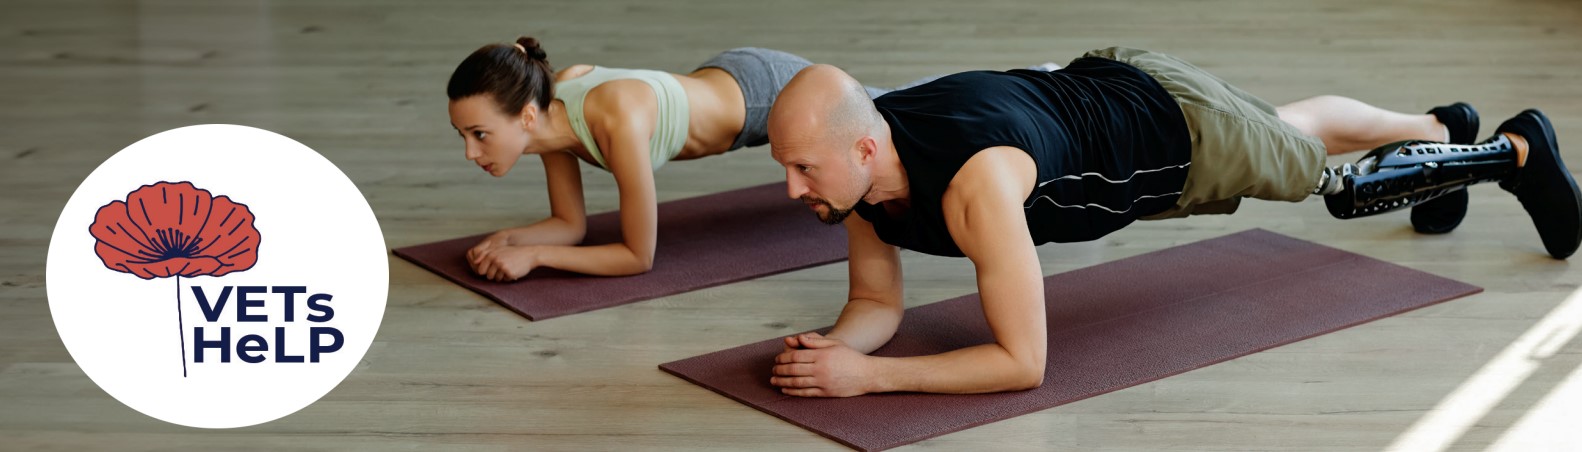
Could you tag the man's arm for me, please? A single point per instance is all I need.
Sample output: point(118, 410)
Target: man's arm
point(874, 304)
point(983, 209)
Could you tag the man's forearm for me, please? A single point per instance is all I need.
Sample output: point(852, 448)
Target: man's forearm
point(972, 370)
point(865, 325)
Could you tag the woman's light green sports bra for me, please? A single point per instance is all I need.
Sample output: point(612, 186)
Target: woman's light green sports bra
point(670, 128)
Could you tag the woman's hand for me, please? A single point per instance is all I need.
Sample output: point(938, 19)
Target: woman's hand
point(506, 262)
point(495, 240)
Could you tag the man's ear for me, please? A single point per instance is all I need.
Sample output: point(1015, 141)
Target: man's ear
point(867, 149)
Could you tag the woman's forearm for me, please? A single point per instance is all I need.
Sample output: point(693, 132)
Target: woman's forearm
point(614, 259)
point(552, 231)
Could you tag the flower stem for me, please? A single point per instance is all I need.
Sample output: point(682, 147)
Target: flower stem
point(181, 328)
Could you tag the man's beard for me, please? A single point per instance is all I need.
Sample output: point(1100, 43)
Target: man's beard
point(834, 216)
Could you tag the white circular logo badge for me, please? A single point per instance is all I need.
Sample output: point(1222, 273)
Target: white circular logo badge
point(217, 276)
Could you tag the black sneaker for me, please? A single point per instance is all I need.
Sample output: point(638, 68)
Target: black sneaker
point(1544, 186)
point(1444, 213)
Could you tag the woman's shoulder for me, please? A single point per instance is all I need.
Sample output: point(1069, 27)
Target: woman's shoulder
point(610, 101)
point(621, 100)
point(573, 71)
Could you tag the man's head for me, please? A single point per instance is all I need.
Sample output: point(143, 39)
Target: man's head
point(821, 129)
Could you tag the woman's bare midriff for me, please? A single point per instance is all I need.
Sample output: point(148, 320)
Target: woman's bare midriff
point(717, 112)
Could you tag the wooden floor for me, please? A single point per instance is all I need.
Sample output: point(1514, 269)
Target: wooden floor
point(362, 83)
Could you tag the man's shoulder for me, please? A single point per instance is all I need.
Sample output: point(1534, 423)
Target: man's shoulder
point(994, 172)
point(957, 84)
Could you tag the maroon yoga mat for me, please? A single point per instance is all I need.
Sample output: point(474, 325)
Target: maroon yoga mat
point(703, 242)
point(1111, 326)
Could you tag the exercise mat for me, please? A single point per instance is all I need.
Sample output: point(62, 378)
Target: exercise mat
point(703, 242)
point(1110, 326)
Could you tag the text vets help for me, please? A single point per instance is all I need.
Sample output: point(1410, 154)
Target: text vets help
point(300, 322)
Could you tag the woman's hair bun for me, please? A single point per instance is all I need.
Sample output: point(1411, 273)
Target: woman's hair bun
point(531, 47)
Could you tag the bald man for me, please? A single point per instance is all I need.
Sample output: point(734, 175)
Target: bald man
point(987, 165)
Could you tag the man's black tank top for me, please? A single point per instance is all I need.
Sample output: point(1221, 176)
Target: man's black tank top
point(1110, 143)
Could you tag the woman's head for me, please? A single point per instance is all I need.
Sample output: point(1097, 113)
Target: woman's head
point(498, 96)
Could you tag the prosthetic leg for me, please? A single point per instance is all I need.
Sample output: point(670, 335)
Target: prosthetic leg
point(1403, 174)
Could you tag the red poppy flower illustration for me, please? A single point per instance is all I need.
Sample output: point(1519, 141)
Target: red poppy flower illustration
point(175, 229)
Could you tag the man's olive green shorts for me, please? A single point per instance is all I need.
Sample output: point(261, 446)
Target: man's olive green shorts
point(1240, 147)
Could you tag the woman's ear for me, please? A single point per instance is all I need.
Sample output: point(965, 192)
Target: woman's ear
point(529, 116)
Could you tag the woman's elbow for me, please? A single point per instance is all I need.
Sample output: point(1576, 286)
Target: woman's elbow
point(1030, 378)
point(644, 262)
point(576, 230)
point(1028, 373)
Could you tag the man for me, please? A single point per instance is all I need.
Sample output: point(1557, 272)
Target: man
point(987, 165)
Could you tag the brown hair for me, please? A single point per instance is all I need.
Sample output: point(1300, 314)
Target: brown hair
point(512, 76)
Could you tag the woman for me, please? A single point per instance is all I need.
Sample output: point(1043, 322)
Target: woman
point(505, 101)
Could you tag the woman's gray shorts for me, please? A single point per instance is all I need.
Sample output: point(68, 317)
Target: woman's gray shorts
point(761, 73)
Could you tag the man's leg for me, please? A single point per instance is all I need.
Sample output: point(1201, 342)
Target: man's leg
point(1245, 147)
point(1523, 156)
point(1404, 173)
point(1347, 125)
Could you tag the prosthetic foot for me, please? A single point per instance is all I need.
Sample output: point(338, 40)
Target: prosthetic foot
point(1407, 173)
